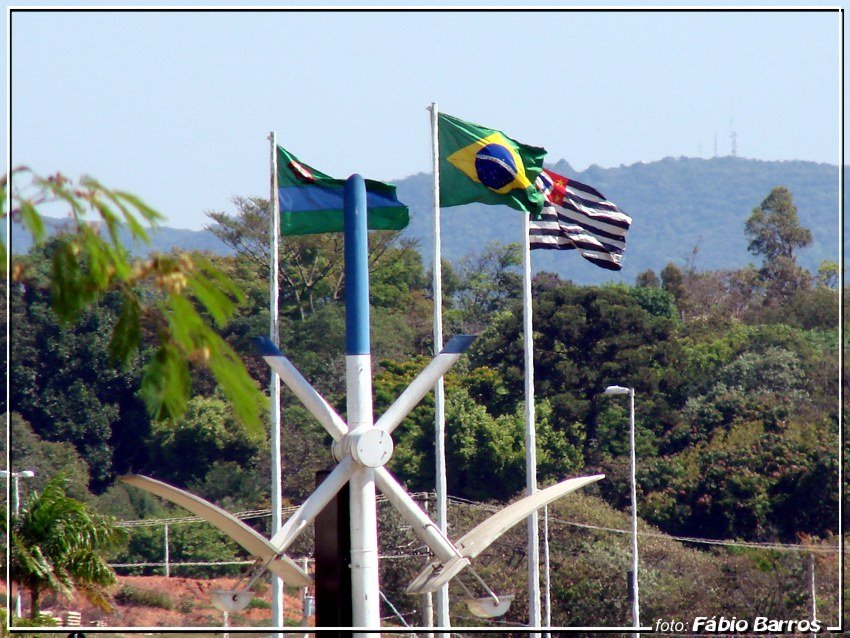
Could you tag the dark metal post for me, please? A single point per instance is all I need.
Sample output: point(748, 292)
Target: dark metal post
point(333, 558)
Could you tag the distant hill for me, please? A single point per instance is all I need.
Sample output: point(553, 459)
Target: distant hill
point(677, 206)
point(163, 239)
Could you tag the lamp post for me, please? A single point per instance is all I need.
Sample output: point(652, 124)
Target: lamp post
point(617, 389)
point(17, 476)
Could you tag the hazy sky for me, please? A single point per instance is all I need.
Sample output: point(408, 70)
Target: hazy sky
point(177, 107)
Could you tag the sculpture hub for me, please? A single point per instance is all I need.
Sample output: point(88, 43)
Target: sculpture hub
point(370, 446)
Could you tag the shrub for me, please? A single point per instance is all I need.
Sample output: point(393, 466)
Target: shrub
point(129, 595)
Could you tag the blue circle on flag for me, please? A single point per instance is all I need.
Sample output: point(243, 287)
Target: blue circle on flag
point(495, 166)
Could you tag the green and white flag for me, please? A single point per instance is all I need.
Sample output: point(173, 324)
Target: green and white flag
point(311, 201)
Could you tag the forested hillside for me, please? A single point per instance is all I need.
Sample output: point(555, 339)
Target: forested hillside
point(685, 210)
point(735, 371)
point(677, 205)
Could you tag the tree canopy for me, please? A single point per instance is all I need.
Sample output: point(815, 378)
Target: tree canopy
point(58, 544)
point(735, 383)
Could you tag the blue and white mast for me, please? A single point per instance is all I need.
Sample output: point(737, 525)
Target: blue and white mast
point(368, 444)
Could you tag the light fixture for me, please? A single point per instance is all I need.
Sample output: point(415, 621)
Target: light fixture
point(616, 389)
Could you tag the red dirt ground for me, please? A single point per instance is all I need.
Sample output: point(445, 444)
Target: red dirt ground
point(190, 600)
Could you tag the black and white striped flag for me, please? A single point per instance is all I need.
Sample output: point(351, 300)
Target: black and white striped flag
point(577, 216)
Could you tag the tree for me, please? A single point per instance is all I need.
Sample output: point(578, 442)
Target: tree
point(828, 274)
point(647, 279)
point(490, 281)
point(65, 383)
point(673, 281)
point(86, 264)
point(719, 295)
point(586, 338)
point(58, 545)
point(207, 433)
point(311, 266)
point(774, 232)
point(30, 451)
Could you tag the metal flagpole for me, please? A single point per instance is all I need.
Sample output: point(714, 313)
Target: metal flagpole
point(439, 395)
point(547, 581)
point(530, 437)
point(274, 389)
point(365, 589)
point(633, 465)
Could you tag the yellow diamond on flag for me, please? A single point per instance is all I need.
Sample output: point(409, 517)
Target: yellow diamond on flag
point(493, 162)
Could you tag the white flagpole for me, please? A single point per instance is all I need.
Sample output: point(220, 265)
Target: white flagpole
point(274, 389)
point(547, 583)
point(530, 437)
point(439, 402)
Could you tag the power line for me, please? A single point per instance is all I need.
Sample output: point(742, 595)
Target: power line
point(457, 500)
point(243, 515)
point(682, 539)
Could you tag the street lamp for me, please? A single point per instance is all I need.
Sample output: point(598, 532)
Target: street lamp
point(618, 389)
point(17, 476)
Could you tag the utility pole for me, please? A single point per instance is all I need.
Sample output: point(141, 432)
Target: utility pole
point(16, 477)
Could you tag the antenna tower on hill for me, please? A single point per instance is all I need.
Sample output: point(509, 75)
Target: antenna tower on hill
point(733, 135)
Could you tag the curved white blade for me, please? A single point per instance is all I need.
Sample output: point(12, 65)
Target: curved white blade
point(435, 575)
point(481, 536)
point(438, 573)
point(248, 538)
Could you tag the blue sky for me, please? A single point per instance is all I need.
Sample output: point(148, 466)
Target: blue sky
point(177, 106)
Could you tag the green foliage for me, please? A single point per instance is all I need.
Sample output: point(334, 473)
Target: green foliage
point(88, 264)
point(807, 309)
point(647, 279)
point(828, 274)
point(311, 272)
point(39, 620)
point(735, 407)
point(775, 233)
point(47, 458)
point(66, 386)
point(58, 544)
point(673, 281)
point(489, 282)
point(584, 340)
point(753, 387)
point(746, 483)
point(190, 542)
point(479, 445)
point(208, 433)
point(655, 301)
point(773, 228)
point(259, 603)
point(129, 595)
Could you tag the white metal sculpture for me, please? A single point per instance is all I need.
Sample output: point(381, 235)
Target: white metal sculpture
point(362, 447)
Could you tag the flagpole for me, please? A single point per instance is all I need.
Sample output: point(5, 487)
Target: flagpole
point(547, 583)
point(530, 436)
point(274, 389)
point(442, 606)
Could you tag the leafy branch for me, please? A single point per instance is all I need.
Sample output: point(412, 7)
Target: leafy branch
point(90, 260)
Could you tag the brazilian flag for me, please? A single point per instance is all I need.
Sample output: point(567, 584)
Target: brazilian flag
point(479, 164)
